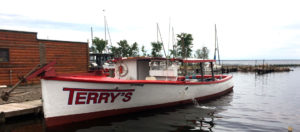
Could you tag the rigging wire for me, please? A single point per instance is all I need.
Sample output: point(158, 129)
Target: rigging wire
point(158, 31)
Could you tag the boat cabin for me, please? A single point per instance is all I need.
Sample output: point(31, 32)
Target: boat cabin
point(146, 68)
point(97, 60)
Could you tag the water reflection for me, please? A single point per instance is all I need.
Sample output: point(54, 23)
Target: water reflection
point(28, 123)
point(189, 117)
point(202, 124)
point(200, 116)
point(203, 115)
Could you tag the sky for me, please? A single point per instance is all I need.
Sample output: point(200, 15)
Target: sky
point(247, 29)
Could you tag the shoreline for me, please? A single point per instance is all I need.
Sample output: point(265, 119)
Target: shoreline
point(260, 69)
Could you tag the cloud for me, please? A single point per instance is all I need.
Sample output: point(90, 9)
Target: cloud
point(13, 19)
point(295, 26)
point(247, 29)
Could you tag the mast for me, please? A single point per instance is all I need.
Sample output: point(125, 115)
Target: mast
point(215, 52)
point(157, 40)
point(158, 32)
point(217, 46)
point(173, 43)
point(106, 30)
point(169, 36)
point(92, 38)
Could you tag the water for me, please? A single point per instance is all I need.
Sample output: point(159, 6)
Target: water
point(260, 62)
point(268, 102)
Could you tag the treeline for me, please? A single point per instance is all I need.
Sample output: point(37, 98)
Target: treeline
point(182, 48)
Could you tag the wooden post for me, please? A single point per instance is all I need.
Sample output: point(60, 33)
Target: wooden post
point(212, 71)
point(10, 77)
point(201, 70)
point(42, 50)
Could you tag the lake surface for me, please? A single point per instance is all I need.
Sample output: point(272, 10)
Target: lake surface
point(269, 102)
point(260, 62)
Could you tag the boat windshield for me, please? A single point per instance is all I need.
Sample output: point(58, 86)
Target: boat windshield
point(158, 65)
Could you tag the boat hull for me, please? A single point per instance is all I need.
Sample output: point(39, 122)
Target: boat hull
point(72, 101)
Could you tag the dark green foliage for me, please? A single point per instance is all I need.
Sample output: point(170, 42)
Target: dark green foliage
point(174, 52)
point(93, 49)
point(116, 51)
point(100, 44)
point(156, 48)
point(144, 52)
point(125, 50)
point(134, 50)
point(202, 53)
point(185, 42)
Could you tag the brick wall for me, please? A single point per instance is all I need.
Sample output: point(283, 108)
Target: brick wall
point(24, 54)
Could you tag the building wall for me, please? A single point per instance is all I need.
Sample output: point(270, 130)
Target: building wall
point(25, 53)
point(70, 57)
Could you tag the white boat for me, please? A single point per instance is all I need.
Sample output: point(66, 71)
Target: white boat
point(139, 83)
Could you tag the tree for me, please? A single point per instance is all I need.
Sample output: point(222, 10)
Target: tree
point(134, 50)
point(116, 51)
point(125, 50)
point(144, 52)
point(93, 49)
point(202, 53)
point(156, 48)
point(174, 52)
point(205, 52)
point(184, 42)
point(198, 54)
point(100, 44)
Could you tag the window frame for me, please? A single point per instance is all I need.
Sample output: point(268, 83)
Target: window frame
point(8, 55)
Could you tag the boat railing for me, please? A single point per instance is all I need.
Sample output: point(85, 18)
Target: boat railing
point(199, 78)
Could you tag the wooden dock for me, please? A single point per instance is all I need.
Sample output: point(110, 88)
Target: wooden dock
point(18, 109)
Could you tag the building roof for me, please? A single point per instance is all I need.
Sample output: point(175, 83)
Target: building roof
point(5, 30)
point(62, 41)
point(16, 31)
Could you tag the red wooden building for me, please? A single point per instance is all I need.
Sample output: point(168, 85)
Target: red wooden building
point(21, 51)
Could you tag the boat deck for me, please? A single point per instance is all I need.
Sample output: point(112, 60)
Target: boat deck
point(104, 79)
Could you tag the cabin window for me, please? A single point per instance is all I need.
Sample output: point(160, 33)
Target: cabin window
point(4, 55)
point(160, 65)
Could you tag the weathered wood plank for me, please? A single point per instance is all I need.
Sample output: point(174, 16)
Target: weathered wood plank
point(18, 109)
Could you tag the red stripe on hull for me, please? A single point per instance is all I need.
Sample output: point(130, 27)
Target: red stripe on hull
point(55, 121)
point(103, 79)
